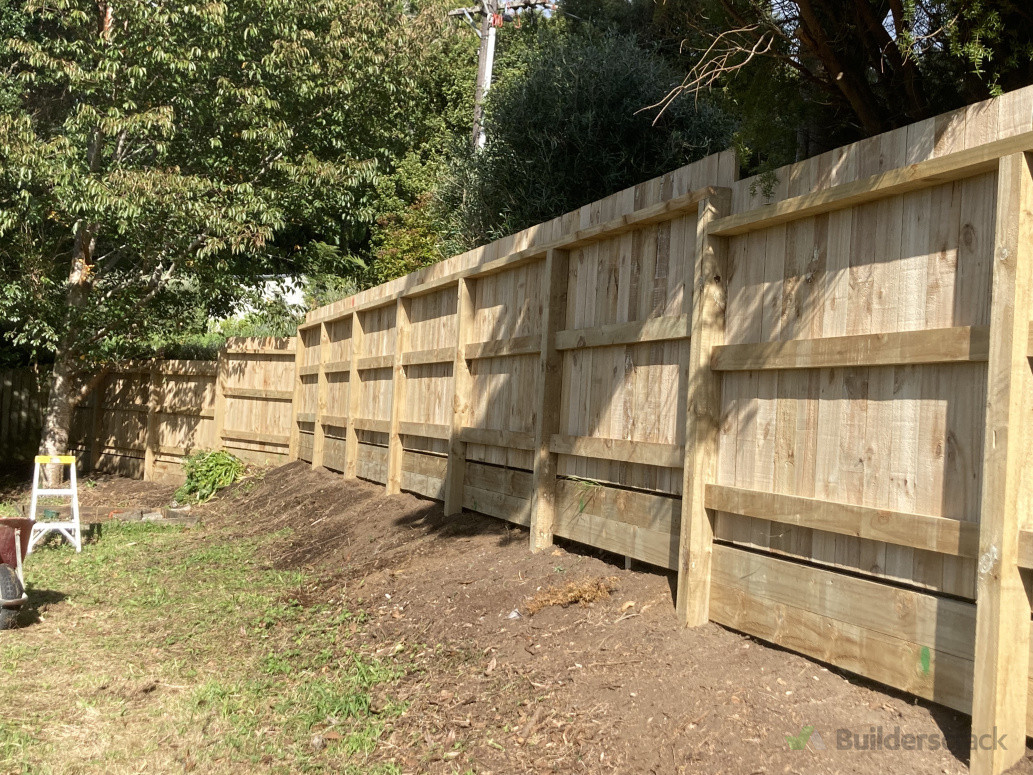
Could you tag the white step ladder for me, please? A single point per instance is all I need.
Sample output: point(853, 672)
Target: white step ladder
point(69, 529)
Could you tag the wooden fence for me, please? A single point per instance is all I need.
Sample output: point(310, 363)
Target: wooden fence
point(812, 402)
point(145, 418)
point(21, 415)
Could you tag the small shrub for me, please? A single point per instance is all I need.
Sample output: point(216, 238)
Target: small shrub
point(207, 473)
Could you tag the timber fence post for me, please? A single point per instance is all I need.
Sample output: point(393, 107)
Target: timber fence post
point(294, 448)
point(351, 451)
point(547, 404)
point(151, 432)
point(1001, 668)
point(322, 393)
point(219, 403)
point(455, 474)
point(97, 423)
point(394, 443)
point(702, 411)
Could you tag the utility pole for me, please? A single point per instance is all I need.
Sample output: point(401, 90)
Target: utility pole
point(491, 18)
point(485, 64)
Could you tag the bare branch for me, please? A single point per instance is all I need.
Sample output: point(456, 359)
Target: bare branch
point(730, 57)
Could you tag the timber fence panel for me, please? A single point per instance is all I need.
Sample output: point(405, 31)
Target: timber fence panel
point(143, 418)
point(258, 389)
point(22, 404)
point(306, 392)
point(337, 374)
point(805, 358)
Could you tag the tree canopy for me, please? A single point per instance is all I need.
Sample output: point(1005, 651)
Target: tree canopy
point(833, 71)
point(157, 158)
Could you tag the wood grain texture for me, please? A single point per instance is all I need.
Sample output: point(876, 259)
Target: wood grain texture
point(702, 413)
point(554, 289)
point(398, 397)
point(903, 348)
point(931, 172)
point(1002, 606)
point(920, 531)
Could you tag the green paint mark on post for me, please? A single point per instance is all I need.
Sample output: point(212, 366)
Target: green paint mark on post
point(925, 659)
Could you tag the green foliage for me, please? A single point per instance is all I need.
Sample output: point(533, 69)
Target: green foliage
point(268, 317)
point(802, 78)
point(409, 231)
point(207, 473)
point(154, 165)
point(994, 40)
point(323, 289)
point(406, 241)
point(569, 122)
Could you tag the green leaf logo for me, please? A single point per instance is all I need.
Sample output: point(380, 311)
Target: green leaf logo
point(799, 742)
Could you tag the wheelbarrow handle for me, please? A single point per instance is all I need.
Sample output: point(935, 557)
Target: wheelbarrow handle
point(18, 558)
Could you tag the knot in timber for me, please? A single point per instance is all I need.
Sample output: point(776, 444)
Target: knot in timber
point(989, 561)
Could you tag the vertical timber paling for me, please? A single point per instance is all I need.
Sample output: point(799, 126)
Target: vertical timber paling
point(1000, 682)
point(703, 412)
point(351, 450)
point(219, 406)
point(97, 426)
point(394, 443)
point(547, 399)
point(294, 450)
point(322, 391)
point(151, 432)
point(455, 474)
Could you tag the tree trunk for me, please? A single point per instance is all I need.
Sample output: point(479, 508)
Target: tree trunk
point(64, 392)
point(57, 423)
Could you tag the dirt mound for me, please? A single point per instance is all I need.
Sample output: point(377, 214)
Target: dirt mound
point(104, 491)
point(614, 685)
point(339, 529)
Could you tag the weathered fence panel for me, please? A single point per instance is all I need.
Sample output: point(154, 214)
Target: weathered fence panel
point(143, 419)
point(812, 401)
point(21, 414)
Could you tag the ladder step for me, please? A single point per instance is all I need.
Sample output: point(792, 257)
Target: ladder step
point(55, 492)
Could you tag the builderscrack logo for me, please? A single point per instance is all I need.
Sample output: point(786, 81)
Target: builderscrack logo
point(876, 738)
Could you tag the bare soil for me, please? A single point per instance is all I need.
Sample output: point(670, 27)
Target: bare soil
point(600, 679)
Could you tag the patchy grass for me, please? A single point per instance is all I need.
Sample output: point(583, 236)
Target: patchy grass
point(162, 650)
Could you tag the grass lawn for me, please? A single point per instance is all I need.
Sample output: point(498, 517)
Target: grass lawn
point(179, 651)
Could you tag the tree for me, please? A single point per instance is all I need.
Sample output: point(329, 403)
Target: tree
point(156, 158)
point(569, 122)
point(408, 233)
point(836, 71)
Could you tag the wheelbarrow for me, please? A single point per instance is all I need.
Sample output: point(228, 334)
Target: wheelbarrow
point(14, 545)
